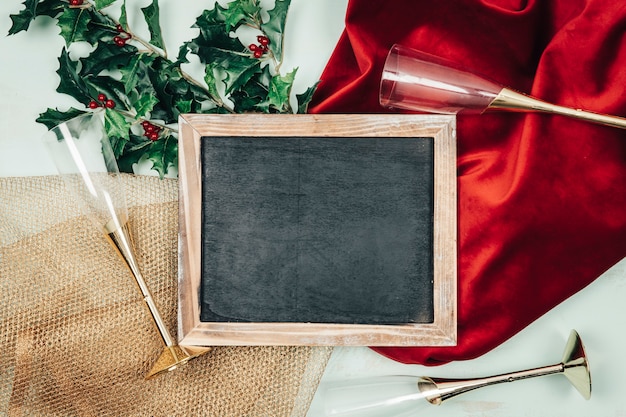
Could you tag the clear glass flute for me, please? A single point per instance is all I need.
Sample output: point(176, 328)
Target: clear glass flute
point(399, 395)
point(85, 160)
point(418, 81)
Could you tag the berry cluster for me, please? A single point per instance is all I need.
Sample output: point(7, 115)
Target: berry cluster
point(261, 48)
point(76, 2)
point(103, 101)
point(150, 131)
point(123, 36)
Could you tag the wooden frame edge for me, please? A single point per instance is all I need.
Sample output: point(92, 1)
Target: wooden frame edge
point(442, 332)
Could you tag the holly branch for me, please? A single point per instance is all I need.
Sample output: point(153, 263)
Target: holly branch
point(142, 91)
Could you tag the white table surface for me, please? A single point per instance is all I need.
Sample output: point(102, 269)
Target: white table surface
point(28, 80)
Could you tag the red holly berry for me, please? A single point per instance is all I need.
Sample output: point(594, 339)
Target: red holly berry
point(253, 47)
point(258, 53)
point(145, 124)
point(109, 104)
point(119, 28)
point(154, 136)
point(119, 41)
point(101, 97)
point(76, 2)
point(93, 105)
point(263, 40)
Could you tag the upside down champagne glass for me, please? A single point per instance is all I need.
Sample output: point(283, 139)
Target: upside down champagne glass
point(418, 81)
point(82, 153)
point(403, 396)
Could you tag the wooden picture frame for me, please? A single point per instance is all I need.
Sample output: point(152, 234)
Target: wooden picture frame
point(440, 332)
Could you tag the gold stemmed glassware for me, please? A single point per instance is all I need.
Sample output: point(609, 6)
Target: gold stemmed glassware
point(84, 158)
point(418, 81)
point(402, 395)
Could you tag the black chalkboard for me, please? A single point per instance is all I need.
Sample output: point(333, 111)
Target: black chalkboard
point(317, 229)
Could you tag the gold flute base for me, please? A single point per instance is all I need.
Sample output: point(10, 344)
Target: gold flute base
point(174, 356)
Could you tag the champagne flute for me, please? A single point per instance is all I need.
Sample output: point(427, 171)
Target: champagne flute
point(85, 160)
point(418, 81)
point(400, 395)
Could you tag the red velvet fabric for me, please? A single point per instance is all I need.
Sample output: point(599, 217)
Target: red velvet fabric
point(542, 199)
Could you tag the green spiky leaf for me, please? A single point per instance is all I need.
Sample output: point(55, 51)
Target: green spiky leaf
point(124, 16)
point(71, 82)
point(117, 128)
point(53, 117)
point(305, 98)
point(73, 23)
point(240, 12)
point(280, 91)
point(151, 15)
point(101, 4)
point(163, 154)
point(274, 28)
point(22, 20)
point(144, 104)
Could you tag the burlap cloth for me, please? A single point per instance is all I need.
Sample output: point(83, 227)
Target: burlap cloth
point(76, 339)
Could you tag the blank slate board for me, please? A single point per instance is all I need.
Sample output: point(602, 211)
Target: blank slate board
point(317, 230)
point(322, 230)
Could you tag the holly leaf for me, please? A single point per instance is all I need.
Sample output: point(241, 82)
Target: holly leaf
point(107, 56)
point(132, 153)
point(117, 128)
point(22, 20)
point(124, 16)
point(280, 91)
point(213, 40)
point(184, 106)
point(305, 98)
point(135, 70)
point(274, 28)
point(239, 12)
point(163, 154)
point(71, 82)
point(151, 15)
point(101, 4)
point(50, 8)
point(239, 69)
point(53, 117)
point(144, 104)
point(73, 23)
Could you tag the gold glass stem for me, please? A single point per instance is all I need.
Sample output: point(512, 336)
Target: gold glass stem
point(438, 390)
point(512, 100)
point(573, 366)
point(172, 355)
point(120, 239)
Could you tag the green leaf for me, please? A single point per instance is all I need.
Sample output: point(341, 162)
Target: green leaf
point(116, 127)
point(135, 70)
point(280, 91)
point(163, 154)
point(239, 69)
point(305, 98)
point(71, 83)
point(211, 81)
point(144, 104)
point(107, 56)
point(101, 4)
point(22, 20)
point(133, 152)
point(214, 40)
point(124, 16)
point(242, 11)
point(184, 106)
point(50, 8)
point(53, 117)
point(73, 23)
point(274, 28)
point(151, 15)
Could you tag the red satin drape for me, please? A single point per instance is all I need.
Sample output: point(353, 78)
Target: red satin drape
point(542, 199)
